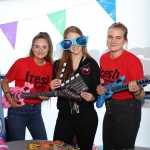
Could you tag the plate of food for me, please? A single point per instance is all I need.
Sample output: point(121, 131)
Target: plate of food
point(45, 145)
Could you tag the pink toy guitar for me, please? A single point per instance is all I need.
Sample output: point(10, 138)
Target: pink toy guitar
point(23, 93)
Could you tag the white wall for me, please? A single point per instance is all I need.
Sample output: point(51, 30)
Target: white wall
point(91, 18)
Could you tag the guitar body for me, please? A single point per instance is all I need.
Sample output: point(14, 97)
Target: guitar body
point(101, 99)
point(16, 91)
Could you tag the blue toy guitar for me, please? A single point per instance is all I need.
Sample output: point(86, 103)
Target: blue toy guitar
point(118, 86)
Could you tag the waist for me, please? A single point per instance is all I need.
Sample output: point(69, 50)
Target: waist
point(123, 95)
point(32, 101)
point(130, 101)
point(69, 112)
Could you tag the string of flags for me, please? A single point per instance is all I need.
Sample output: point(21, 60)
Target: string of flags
point(58, 19)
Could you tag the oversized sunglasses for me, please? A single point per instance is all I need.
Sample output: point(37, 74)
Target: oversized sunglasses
point(66, 44)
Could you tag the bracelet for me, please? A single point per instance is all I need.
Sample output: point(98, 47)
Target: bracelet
point(136, 91)
point(139, 93)
point(6, 92)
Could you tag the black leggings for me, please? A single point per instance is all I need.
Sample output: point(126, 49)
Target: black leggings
point(121, 124)
point(82, 125)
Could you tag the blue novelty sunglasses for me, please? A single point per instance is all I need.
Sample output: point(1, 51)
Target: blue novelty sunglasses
point(66, 44)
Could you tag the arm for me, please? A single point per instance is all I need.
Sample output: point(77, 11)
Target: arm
point(135, 72)
point(55, 83)
point(138, 92)
point(91, 95)
point(14, 102)
point(139, 95)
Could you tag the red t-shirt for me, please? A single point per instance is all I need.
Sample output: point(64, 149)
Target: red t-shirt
point(25, 70)
point(127, 64)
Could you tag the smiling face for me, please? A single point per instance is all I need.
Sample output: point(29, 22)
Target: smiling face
point(75, 49)
point(40, 49)
point(115, 39)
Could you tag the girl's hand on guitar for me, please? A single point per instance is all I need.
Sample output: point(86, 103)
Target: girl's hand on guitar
point(15, 103)
point(138, 91)
point(100, 89)
point(44, 98)
point(133, 87)
point(55, 84)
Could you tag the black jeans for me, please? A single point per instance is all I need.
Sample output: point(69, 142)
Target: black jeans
point(83, 125)
point(121, 124)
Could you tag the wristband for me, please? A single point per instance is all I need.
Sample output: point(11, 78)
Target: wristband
point(6, 92)
point(139, 93)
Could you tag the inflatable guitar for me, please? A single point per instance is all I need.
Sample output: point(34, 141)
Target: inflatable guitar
point(23, 93)
point(118, 86)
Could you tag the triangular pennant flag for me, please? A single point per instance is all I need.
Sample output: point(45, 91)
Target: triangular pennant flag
point(2, 123)
point(110, 7)
point(9, 30)
point(59, 20)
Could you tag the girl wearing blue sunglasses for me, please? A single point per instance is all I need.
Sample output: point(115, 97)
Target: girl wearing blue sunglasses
point(76, 117)
point(66, 44)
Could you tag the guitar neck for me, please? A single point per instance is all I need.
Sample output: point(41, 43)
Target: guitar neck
point(125, 86)
point(36, 95)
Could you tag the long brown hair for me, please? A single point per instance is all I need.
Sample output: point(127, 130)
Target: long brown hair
point(44, 35)
point(66, 55)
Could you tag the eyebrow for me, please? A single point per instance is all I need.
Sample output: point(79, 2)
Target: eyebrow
point(39, 45)
point(115, 36)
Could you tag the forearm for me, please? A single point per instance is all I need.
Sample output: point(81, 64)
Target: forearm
point(139, 95)
point(4, 85)
point(6, 90)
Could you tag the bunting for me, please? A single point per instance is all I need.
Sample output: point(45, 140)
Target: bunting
point(110, 7)
point(9, 30)
point(59, 20)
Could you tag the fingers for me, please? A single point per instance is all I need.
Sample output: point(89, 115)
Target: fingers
point(15, 103)
point(133, 87)
point(55, 84)
point(100, 89)
point(44, 98)
point(87, 96)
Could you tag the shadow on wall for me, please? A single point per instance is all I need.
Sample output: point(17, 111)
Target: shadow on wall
point(144, 55)
point(95, 54)
point(58, 51)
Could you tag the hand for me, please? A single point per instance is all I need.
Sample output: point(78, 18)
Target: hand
point(87, 96)
point(44, 98)
point(15, 103)
point(55, 84)
point(100, 89)
point(133, 87)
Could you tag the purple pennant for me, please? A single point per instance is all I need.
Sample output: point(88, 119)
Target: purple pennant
point(9, 29)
